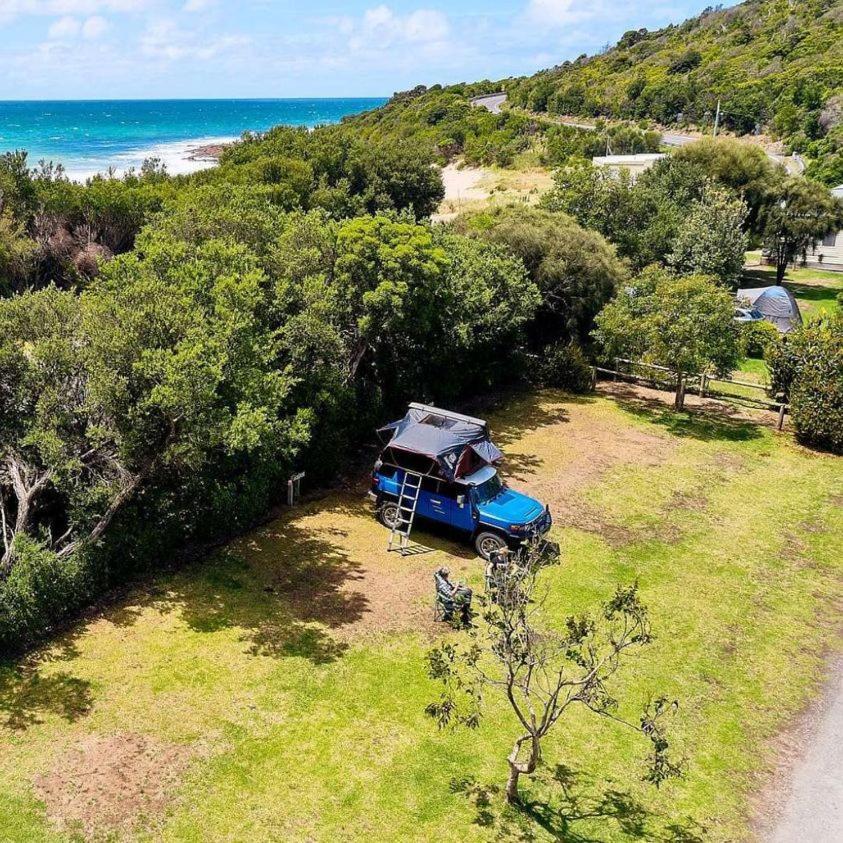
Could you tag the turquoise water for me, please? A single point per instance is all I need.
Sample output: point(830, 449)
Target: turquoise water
point(89, 137)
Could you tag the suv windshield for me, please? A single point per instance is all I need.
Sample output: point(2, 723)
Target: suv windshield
point(488, 490)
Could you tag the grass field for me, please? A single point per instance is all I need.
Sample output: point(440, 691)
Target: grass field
point(275, 691)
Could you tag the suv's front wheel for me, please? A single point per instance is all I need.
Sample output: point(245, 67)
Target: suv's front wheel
point(487, 543)
point(388, 514)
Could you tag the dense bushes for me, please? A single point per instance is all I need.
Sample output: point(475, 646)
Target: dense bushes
point(575, 270)
point(806, 366)
point(698, 209)
point(55, 231)
point(757, 337)
point(238, 341)
point(565, 366)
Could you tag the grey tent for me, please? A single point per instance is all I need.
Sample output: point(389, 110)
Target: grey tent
point(775, 304)
point(453, 444)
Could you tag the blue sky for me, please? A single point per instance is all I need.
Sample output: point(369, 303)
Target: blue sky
point(90, 49)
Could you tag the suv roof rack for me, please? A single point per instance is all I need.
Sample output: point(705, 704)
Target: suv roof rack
point(448, 414)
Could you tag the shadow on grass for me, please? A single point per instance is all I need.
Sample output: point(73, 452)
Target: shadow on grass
point(579, 810)
point(284, 587)
point(26, 695)
point(530, 412)
point(707, 424)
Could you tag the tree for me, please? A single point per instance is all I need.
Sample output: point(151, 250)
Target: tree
point(642, 217)
point(575, 270)
point(798, 213)
point(711, 240)
point(543, 672)
point(683, 323)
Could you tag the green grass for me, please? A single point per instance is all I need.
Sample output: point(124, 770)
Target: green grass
point(304, 723)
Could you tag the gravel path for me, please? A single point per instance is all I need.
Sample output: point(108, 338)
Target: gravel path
point(812, 810)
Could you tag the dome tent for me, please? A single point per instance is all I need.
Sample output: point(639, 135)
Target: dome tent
point(775, 304)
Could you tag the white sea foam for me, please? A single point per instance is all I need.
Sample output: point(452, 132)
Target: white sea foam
point(176, 157)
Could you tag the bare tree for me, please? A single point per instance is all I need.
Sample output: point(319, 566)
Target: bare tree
point(543, 672)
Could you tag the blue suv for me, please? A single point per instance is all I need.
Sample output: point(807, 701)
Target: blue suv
point(452, 461)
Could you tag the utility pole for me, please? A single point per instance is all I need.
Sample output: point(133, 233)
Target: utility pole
point(717, 118)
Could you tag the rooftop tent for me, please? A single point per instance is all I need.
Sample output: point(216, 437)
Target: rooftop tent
point(776, 305)
point(458, 444)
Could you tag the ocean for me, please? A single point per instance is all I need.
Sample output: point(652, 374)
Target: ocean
point(88, 137)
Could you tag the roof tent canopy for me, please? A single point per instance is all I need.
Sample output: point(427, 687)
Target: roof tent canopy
point(458, 444)
point(775, 304)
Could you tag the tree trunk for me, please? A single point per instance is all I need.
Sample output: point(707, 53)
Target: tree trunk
point(102, 525)
point(781, 269)
point(516, 767)
point(512, 785)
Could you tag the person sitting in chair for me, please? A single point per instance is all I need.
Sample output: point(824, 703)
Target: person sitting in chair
point(445, 592)
point(462, 601)
point(497, 569)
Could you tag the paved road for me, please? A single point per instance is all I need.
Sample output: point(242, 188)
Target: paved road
point(813, 810)
point(493, 102)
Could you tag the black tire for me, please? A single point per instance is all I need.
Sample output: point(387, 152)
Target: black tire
point(388, 514)
point(487, 542)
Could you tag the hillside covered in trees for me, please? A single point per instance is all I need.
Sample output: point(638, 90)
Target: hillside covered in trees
point(776, 66)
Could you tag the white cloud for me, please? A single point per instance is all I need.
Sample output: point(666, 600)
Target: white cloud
point(11, 9)
point(381, 27)
point(66, 27)
point(426, 25)
point(198, 5)
point(165, 41)
point(95, 27)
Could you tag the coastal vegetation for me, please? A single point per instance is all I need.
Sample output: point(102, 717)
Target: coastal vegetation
point(172, 349)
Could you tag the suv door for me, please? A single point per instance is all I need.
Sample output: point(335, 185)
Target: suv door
point(462, 517)
point(432, 504)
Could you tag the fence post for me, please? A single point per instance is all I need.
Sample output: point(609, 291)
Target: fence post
point(780, 425)
point(593, 378)
point(617, 367)
point(703, 379)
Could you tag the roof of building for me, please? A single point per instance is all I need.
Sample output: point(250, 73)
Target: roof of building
point(627, 160)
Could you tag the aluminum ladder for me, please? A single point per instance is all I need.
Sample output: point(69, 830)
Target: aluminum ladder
point(408, 500)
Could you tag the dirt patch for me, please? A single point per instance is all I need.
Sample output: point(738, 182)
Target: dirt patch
point(581, 447)
point(108, 783)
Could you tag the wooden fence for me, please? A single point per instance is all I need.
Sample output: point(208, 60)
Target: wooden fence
point(706, 386)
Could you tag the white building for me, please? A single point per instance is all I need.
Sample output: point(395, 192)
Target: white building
point(829, 253)
point(635, 164)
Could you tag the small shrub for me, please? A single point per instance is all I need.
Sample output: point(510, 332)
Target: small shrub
point(564, 365)
point(756, 338)
point(807, 367)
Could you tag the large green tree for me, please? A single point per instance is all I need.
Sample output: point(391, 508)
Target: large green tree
point(684, 323)
point(711, 240)
point(576, 270)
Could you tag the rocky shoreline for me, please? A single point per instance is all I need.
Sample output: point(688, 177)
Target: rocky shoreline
point(210, 152)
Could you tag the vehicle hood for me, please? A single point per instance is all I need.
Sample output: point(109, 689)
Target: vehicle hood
point(511, 507)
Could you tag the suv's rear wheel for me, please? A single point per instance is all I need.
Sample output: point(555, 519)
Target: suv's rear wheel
point(388, 514)
point(487, 543)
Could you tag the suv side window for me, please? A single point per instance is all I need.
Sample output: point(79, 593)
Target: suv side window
point(429, 484)
point(452, 490)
